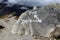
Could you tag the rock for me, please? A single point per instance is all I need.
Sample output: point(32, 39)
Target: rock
point(56, 33)
point(37, 23)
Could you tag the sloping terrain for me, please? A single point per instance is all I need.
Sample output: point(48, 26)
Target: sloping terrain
point(7, 22)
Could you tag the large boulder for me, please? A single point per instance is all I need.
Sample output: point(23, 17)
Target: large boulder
point(40, 22)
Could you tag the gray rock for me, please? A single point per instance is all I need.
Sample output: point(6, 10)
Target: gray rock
point(37, 23)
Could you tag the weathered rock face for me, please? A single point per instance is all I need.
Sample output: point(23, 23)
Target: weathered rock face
point(37, 23)
point(28, 26)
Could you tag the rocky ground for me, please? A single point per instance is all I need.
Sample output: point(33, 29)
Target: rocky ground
point(5, 30)
point(7, 22)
